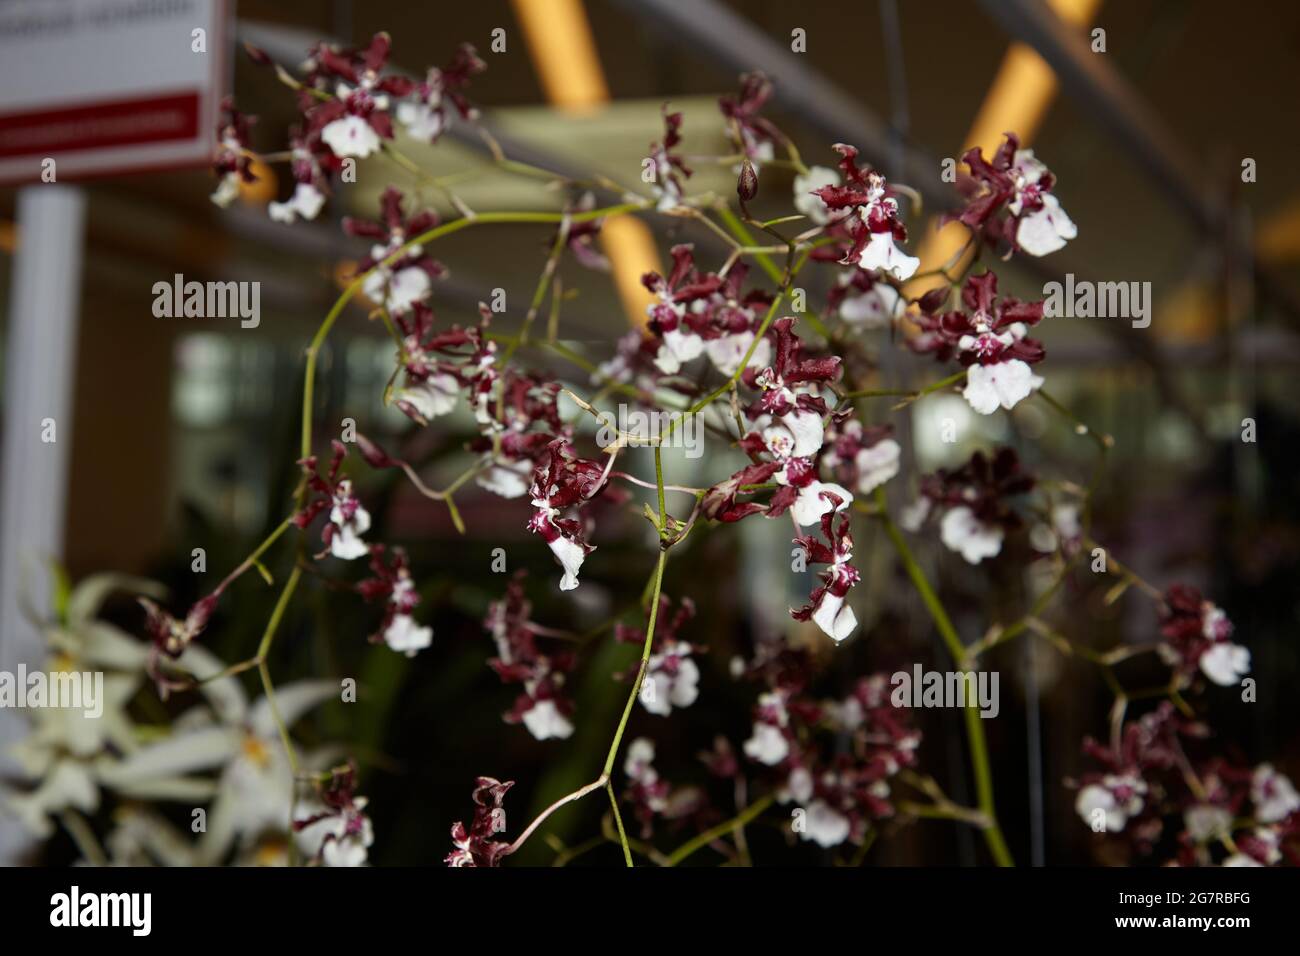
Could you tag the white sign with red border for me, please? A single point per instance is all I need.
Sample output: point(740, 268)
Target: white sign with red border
point(108, 86)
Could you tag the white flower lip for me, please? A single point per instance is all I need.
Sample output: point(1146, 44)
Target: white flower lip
point(824, 825)
point(544, 721)
point(1045, 230)
point(350, 136)
point(835, 617)
point(679, 347)
point(1004, 385)
point(767, 745)
point(877, 464)
point(434, 397)
point(570, 554)
point(305, 202)
point(962, 532)
point(810, 504)
point(874, 309)
point(1226, 663)
point(406, 637)
point(881, 254)
point(346, 542)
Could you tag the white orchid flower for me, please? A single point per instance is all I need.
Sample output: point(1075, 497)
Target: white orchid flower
point(254, 792)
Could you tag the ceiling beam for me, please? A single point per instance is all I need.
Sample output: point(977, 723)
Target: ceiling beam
point(1107, 96)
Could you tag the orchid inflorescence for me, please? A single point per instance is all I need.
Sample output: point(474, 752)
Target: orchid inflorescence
point(790, 393)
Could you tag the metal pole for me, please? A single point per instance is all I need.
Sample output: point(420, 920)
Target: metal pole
point(38, 392)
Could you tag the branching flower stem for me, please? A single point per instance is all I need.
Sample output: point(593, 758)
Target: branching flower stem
point(541, 817)
point(430, 235)
point(974, 729)
point(263, 649)
point(618, 820)
point(721, 830)
point(255, 559)
point(908, 396)
point(606, 775)
point(738, 236)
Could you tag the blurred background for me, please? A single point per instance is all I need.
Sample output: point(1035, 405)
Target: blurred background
point(177, 434)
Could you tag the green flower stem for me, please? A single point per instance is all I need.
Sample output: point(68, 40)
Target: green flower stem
point(974, 729)
point(645, 659)
point(618, 820)
point(721, 830)
point(604, 780)
point(612, 756)
point(278, 613)
point(930, 811)
point(868, 841)
point(254, 559)
point(904, 393)
point(437, 232)
point(1017, 627)
point(744, 235)
point(765, 262)
point(1104, 442)
point(726, 386)
point(639, 847)
point(263, 649)
point(659, 483)
point(566, 855)
point(541, 818)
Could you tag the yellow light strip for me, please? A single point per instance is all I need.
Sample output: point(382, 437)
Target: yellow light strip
point(1017, 101)
point(630, 246)
point(564, 55)
point(563, 52)
point(1278, 237)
